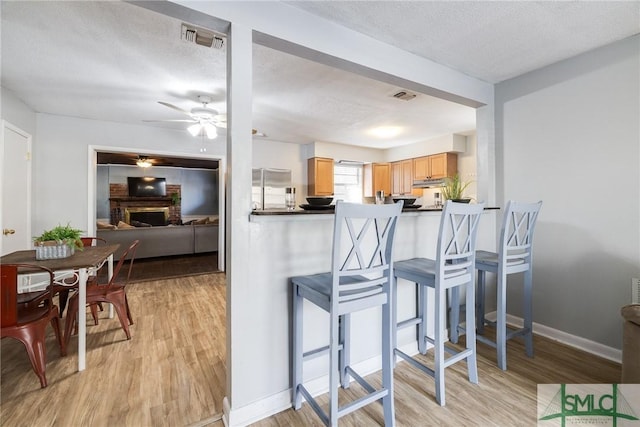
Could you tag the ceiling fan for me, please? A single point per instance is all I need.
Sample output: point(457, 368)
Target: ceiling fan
point(205, 120)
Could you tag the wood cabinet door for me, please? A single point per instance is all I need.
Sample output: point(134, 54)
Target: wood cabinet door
point(382, 177)
point(421, 167)
point(407, 176)
point(320, 176)
point(397, 178)
point(443, 165)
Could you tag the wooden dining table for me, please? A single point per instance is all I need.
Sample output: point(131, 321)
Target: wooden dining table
point(80, 262)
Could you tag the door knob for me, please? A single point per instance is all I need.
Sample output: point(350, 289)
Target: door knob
point(8, 231)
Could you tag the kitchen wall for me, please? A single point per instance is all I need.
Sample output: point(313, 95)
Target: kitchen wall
point(568, 135)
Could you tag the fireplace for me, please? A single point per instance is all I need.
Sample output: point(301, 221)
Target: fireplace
point(153, 215)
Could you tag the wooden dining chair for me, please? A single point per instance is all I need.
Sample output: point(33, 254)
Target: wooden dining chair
point(112, 292)
point(27, 321)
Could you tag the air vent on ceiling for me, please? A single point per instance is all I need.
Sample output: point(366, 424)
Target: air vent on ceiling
point(404, 95)
point(197, 35)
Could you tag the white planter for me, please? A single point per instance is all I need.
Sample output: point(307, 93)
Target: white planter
point(53, 250)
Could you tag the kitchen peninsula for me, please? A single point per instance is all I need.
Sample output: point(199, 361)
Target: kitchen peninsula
point(294, 243)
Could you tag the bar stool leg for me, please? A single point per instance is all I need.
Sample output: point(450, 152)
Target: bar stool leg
point(528, 312)
point(297, 347)
point(439, 337)
point(345, 354)
point(334, 375)
point(480, 302)
point(470, 331)
point(387, 361)
point(501, 323)
point(454, 315)
point(422, 314)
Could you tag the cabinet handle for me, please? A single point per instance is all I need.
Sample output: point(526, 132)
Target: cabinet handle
point(8, 231)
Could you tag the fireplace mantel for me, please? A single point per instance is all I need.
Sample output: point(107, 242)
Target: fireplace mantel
point(140, 199)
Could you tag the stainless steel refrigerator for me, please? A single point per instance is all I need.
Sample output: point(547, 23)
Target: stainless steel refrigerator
point(268, 188)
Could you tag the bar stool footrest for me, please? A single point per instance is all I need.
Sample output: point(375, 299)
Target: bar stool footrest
point(415, 363)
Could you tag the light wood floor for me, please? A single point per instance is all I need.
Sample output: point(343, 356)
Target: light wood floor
point(502, 398)
point(172, 374)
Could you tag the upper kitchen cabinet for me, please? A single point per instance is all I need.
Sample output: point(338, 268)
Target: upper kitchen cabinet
point(435, 166)
point(376, 177)
point(402, 178)
point(320, 176)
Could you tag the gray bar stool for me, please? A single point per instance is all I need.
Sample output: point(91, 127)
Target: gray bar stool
point(513, 256)
point(452, 269)
point(360, 278)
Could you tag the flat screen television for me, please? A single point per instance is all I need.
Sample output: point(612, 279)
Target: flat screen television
point(147, 186)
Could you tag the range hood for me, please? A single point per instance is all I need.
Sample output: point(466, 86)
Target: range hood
point(428, 183)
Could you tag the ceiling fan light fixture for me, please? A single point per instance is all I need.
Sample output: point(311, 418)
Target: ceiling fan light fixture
point(211, 131)
point(143, 162)
point(194, 130)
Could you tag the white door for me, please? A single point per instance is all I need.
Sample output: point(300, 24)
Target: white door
point(15, 181)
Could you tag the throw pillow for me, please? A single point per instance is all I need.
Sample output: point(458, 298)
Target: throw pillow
point(122, 224)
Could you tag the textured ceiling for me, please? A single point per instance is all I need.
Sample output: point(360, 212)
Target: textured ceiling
point(114, 61)
point(490, 40)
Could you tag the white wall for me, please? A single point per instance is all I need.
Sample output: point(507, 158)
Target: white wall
point(17, 113)
point(60, 158)
point(569, 135)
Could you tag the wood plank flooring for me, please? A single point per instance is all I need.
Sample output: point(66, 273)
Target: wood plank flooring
point(171, 267)
point(502, 398)
point(172, 373)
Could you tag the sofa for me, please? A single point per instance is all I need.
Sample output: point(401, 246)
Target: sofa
point(164, 240)
point(631, 344)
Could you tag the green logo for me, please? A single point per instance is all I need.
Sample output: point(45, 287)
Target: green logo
point(587, 405)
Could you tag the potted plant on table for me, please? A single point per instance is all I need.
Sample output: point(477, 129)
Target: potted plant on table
point(59, 242)
point(453, 189)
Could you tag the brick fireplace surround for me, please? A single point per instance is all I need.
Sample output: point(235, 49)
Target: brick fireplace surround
point(119, 201)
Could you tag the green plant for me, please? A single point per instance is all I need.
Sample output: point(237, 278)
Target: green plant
point(175, 199)
point(66, 234)
point(453, 188)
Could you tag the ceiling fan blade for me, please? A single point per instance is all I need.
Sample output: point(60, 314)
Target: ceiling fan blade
point(166, 104)
point(174, 120)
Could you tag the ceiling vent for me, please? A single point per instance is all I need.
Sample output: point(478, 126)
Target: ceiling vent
point(404, 95)
point(197, 35)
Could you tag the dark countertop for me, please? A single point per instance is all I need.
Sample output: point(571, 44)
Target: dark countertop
point(299, 211)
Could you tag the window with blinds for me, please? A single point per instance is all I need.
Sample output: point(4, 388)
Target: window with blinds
point(347, 183)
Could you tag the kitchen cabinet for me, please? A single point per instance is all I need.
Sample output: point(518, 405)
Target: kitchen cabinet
point(320, 176)
point(435, 166)
point(402, 178)
point(376, 177)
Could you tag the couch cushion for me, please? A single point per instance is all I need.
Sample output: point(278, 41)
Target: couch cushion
point(105, 226)
point(631, 313)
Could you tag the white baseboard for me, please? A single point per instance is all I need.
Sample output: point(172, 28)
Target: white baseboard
point(239, 417)
point(580, 343)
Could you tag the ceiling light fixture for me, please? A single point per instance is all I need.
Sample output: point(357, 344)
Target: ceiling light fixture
point(205, 127)
point(385, 131)
point(143, 162)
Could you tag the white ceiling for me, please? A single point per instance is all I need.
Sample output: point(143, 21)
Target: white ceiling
point(113, 61)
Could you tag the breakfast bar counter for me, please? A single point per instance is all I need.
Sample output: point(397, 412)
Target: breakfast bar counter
point(299, 242)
